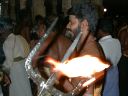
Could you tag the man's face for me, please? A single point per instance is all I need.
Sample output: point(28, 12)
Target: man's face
point(41, 30)
point(73, 24)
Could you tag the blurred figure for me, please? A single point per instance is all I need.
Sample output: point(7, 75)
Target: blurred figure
point(112, 50)
point(16, 49)
point(123, 64)
point(4, 81)
point(38, 30)
point(6, 27)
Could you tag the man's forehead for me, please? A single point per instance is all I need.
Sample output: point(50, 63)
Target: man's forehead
point(71, 17)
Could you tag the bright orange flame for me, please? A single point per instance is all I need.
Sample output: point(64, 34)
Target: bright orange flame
point(84, 66)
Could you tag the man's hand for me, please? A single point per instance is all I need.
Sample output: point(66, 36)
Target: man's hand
point(6, 80)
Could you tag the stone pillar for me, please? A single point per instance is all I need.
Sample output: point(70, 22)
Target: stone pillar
point(59, 7)
point(38, 8)
point(23, 4)
point(75, 2)
point(54, 6)
point(12, 10)
point(66, 4)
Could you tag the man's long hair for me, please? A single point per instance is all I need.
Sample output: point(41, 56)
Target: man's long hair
point(86, 11)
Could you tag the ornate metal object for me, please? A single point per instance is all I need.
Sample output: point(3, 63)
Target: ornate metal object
point(45, 87)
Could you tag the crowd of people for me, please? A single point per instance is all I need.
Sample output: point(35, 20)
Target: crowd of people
point(98, 40)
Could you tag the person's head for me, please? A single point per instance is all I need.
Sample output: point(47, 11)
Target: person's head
point(23, 29)
point(39, 19)
point(82, 17)
point(6, 27)
point(40, 26)
point(105, 27)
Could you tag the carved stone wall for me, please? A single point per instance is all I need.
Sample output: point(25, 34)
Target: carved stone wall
point(12, 10)
point(38, 6)
point(66, 4)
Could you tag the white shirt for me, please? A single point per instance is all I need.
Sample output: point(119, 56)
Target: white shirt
point(111, 48)
point(16, 46)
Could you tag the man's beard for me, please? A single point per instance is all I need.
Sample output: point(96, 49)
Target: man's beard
point(72, 33)
point(77, 31)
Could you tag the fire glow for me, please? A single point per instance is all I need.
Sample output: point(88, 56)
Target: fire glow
point(84, 66)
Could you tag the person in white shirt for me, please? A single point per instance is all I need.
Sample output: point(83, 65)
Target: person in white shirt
point(112, 51)
point(16, 49)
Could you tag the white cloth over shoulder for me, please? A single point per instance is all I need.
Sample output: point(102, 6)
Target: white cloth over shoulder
point(16, 46)
point(111, 48)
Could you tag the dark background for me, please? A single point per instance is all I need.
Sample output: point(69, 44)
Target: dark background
point(116, 7)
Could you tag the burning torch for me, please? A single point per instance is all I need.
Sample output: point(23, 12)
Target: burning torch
point(86, 67)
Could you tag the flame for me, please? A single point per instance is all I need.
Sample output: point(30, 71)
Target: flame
point(84, 66)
